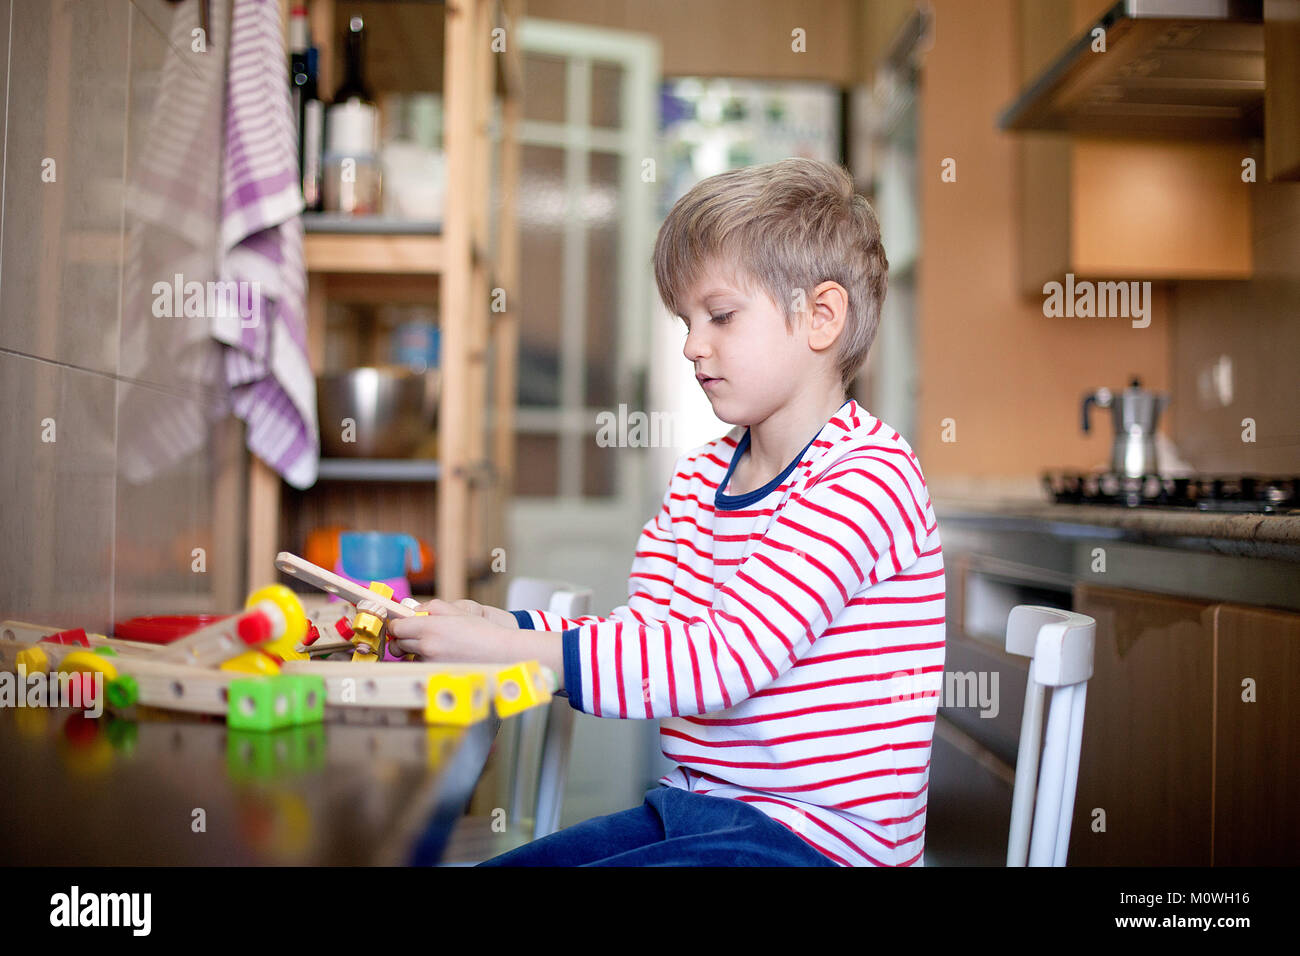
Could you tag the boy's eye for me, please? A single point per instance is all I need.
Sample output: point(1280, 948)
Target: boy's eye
point(723, 318)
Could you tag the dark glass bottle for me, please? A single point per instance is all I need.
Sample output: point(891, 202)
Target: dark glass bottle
point(354, 81)
point(308, 110)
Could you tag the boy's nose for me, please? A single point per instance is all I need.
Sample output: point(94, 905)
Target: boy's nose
point(695, 348)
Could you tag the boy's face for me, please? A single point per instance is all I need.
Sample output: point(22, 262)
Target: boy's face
point(738, 337)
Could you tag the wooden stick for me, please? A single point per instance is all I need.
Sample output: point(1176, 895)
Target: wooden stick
point(332, 583)
point(400, 684)
point(24, 633)
point(162, 683)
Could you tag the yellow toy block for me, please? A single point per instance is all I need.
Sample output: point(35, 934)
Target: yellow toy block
point(456, 699)
point(382, 589)
point(368, 625)
point(251, 662)
point(32, 660)
point(519, 687)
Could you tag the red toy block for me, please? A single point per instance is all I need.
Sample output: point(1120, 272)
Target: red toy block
point(313, 635)
point(76, 635)
point(344, 628)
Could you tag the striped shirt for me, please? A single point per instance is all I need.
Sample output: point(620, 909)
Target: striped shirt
point(790, 639)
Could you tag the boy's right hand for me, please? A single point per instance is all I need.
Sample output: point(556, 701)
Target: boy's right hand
point(496, 615)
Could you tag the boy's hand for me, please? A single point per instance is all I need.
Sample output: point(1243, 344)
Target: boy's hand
point(453, 635)
point(496, 615)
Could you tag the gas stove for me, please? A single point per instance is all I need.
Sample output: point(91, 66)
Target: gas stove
point(1252, 494)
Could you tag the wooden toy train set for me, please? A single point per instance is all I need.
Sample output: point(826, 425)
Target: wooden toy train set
point(255, 668)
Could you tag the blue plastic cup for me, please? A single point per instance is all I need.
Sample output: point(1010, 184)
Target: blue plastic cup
point(377, 555)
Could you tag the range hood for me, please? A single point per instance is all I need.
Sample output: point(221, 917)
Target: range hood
point(1177, 68)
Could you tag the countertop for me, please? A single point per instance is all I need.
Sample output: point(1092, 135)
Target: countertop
point(1282, 529)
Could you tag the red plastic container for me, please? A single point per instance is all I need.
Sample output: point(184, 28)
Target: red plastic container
point(163, 629)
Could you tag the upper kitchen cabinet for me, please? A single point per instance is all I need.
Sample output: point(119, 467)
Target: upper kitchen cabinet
point(1133, 209)
point(1282, 90)
point(1137, 137)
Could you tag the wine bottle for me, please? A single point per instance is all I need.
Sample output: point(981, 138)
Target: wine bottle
point(352, 180)
point(354, 81)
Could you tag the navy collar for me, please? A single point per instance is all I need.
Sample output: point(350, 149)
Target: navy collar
point(724, 502)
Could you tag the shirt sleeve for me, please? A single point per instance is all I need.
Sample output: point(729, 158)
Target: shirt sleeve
point(859, 522)
point(649, 585)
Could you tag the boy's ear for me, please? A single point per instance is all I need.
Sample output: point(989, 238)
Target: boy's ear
point(829, 308)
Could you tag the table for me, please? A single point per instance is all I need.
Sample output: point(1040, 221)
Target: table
point(78, 791)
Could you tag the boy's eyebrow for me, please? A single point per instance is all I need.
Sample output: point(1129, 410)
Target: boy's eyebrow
point(722, 291)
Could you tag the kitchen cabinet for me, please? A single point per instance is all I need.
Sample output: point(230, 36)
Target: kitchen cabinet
point(462, 265)
point(1256, 742)
point(1188, 770)
point(1281, 93)
point(1127, 209)
point(1146, 759)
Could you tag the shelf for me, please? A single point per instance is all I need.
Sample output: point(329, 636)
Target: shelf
point(337, 222)
point(374, 253)
point(379, 469)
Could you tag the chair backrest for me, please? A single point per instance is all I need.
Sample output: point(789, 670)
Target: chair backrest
point(1061, 645)
point(554, 724)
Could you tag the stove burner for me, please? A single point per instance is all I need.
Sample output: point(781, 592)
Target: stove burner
point(1229, 493)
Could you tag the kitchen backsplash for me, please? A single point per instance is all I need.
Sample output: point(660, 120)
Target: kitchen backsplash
point(1234, 347)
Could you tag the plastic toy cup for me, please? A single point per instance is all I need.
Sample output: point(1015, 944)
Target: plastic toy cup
point(376, 556)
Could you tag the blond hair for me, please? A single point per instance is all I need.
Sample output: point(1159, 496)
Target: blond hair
point(785, 226)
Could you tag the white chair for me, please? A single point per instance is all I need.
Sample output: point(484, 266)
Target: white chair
point(474, 838)
point(1061, 645)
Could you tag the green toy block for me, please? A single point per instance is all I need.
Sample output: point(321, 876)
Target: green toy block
point(123, 692)
point(104, 650)
point(306, 698)
point(259, 703)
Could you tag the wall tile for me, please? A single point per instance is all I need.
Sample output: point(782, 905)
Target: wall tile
point(178, 538)
point(57, 564)
point(62, 239)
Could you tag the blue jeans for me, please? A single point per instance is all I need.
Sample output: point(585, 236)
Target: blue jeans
point(674, 827)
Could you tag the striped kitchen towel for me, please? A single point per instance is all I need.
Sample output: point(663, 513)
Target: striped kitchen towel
point(264, 323)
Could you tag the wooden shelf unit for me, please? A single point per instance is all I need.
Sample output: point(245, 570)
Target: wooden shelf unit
point(405, 263)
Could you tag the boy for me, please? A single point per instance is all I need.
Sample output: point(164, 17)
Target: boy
point(785, 618)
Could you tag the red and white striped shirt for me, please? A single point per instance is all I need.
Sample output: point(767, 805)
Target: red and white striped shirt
point(791, 639)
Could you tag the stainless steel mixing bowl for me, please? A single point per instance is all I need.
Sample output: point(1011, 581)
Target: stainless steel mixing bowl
point(393, 408)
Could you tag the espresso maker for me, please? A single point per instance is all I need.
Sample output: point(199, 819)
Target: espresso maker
point(1134, 413)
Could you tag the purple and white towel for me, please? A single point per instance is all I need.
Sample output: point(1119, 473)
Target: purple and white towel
point(265, 330)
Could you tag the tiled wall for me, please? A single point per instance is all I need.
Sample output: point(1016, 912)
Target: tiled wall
point(100, 510)
point(1253, 328)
